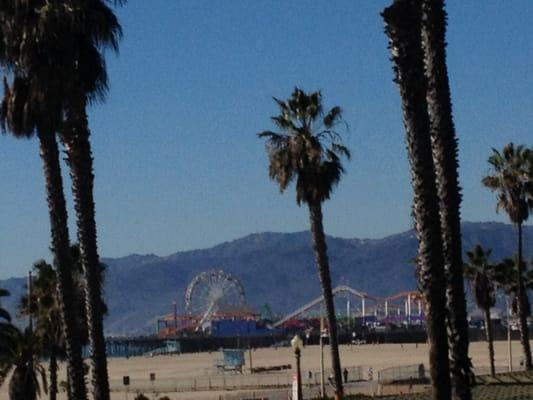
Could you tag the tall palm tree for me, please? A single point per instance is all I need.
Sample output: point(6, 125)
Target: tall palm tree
point(31, 106)
point(86, 78)
point(26, 112)
point(480, 272)
point(444, 146)
point(402, 26)
point(77, 67)
point(308, 150)
point(19, 354)
point(511, 178)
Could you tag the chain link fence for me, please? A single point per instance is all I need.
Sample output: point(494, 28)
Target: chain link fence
point(413, 373)
point(277, 385)
point(232, 382)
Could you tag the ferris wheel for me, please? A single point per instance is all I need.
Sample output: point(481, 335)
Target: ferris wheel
point(213, 291)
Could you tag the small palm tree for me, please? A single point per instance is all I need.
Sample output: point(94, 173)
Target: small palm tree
point(3, 312)
point(45, 310)
point(511, 178)
point(308, 150)
point(5, 318)
point(19, 354)
point(480, 272)
point(505, 278)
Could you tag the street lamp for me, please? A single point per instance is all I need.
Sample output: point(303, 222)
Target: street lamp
point(297, 345)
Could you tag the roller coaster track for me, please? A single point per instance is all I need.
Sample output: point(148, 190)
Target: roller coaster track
point(344, 290)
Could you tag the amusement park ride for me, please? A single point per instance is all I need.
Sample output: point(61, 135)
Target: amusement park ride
point(216, 296)
point(211, 295)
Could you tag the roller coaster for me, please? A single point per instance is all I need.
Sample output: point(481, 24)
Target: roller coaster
point(216, 295)
point(383, 308)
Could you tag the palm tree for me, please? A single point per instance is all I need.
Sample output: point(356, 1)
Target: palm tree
point(30, 107)
point(44, 307)
point(3, 312)
point(480, 272)
point(84, 67)
point(512, 178)
point(19, 354)
point(402, 26)
point(308, 150)
point(505, 278)
point(5, 318)
point(77, 68)
point(444, 146)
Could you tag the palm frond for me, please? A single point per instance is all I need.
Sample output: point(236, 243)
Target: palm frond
point(302, 153)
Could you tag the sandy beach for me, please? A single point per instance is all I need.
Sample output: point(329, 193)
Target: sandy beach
point(200, 365)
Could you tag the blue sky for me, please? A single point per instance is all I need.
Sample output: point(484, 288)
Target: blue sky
point(177, 161)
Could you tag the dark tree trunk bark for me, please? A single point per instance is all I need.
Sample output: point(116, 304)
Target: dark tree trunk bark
point(444, 145)
point(490, 340)
point(321, 255)
point(523, 304)
point(69, 385)
point(402, 25)
point(20, 387)
point(62, 262)
point(75, 137)
point(52, 368)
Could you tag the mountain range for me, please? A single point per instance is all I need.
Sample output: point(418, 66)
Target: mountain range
point(275, 268)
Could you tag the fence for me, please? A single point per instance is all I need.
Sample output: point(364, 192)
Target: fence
point(206, 383)
point(276, 384)
point(415, 372)
point(231, 382)
point(485, 370)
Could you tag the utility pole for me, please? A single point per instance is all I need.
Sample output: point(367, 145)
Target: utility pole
point(30, 321)
point(250, 356)
point(321, 342)
point(509, 346)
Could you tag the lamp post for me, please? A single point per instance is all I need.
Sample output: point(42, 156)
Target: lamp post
point(297, 345)
point(509, 348)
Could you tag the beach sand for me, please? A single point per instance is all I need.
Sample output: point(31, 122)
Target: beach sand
point(192, 365)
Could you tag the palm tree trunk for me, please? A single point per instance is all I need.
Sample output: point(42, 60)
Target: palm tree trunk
point(490, 340)
point(62, 262)
point(52, 368)
point(444, 146)
point(321, 255)
point(523, 304)
point(402, 25)
point(79, 158)
point(69, 385)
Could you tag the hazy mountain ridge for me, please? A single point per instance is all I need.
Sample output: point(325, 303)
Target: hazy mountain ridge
point(275, 268)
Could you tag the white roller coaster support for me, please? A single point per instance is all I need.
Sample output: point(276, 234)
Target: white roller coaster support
point(409, 309)
point(408, 297)
point(348, 310)
point(311, 304)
